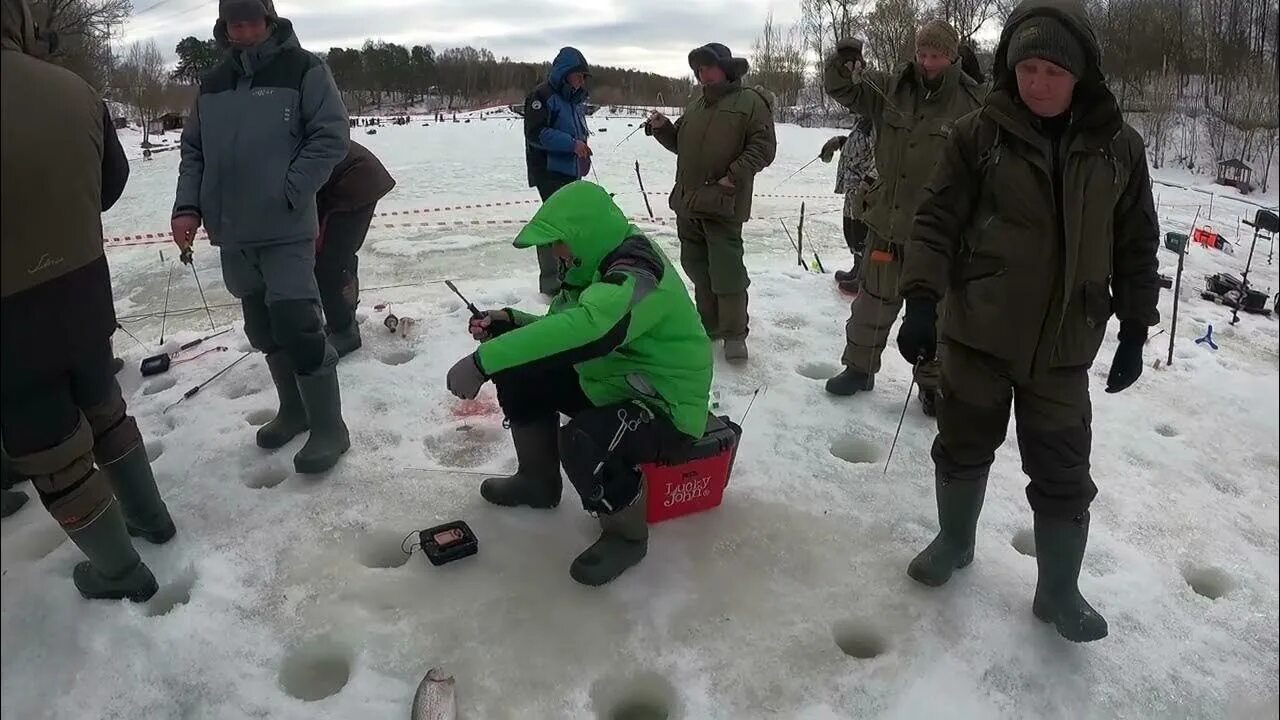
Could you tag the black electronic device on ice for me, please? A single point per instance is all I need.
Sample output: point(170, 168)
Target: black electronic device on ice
point(448, 542)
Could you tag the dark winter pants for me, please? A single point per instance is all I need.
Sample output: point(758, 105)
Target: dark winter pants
point(711, 253)
point(548, 265)
point(1053, 416)
point(528, 397)
point(58, 423)
point(337, 266)
point(874, 310)
point(276, 286)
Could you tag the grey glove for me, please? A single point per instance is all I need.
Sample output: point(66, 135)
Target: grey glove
point(466, 378)
point(830, 148)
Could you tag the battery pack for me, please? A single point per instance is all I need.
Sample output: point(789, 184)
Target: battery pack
point(155, 364)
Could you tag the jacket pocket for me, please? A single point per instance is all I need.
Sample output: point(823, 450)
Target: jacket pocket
point(712, 200)
point(1084, 325)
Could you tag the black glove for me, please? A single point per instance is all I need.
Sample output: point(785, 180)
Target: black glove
point(491, 324)
point(1126, 367)
point(918, 336)
point(829, 149)
point(466, 378)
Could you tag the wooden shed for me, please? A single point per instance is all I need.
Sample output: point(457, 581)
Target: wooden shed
point(1235, 173)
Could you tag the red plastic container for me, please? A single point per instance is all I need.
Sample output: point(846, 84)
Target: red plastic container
point(694, 480)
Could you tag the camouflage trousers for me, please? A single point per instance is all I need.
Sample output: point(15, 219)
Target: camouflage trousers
point(1054, 419)
point(874, 310)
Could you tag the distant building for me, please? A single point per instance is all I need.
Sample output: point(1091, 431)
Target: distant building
point(166, 122)
point(1235, 173)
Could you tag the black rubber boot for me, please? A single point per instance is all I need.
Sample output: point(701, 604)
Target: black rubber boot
point(291, 419)
point(347, 340)
point(11, 501)
point(851, 382)
point(929, 402)
point(114, 570)
point(959, 504)
point(735, 350)
point(323, 402)
point(536, 482)
point(623, 543)
point(144, 510)
point(1059, 551)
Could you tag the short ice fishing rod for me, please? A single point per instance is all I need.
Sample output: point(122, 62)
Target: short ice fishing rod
point(802, 169)
point(475, 311)
point(195, 390)
point(186, 259)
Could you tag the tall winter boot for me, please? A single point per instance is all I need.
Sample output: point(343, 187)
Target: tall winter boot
point(114, 571)
point(291, 419)
point(145, 513)
point(346, 340)
point(708, 310)
point(624, 541)
point(850, 381)
point(323, 402)
point(959, 504)
point(536, 482)
point(735, 322)
point(1059, 551)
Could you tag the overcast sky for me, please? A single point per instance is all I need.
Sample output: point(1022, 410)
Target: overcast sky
point(654, 35)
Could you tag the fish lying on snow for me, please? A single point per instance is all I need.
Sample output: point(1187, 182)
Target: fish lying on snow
point(434, 699)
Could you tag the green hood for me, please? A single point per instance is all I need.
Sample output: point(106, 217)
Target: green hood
point(584, 217)
point(1072, 14)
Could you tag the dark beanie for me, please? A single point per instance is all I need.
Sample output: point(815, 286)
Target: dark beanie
point(1048, 39)
point(245, 10)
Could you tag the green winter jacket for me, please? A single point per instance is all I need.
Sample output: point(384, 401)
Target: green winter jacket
point(910, 131)
point(726, 132)
point(1034, 247)
point(623, 318)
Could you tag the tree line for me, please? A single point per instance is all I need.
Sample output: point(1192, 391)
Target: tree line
point(1182, 69)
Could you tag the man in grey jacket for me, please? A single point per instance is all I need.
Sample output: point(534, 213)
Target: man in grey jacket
point(268, 128)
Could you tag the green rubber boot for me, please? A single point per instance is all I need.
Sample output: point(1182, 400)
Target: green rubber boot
point(114, 570)
point(624, 541)
point(291, 419)
point(959, 504)
point(323, 402)
point(536, 482)
point(1059, 551)
point(134, 485)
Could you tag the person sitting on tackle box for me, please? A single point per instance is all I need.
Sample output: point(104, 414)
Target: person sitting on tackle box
point(622, 351)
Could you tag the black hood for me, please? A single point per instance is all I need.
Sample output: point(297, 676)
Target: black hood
point(720, 55)
point(1070, 13)
point(220, 27)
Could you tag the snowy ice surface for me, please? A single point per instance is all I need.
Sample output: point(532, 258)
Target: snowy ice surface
point(288, 597)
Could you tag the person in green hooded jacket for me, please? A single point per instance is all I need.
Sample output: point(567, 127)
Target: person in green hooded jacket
point(721, 142)
point(1037, 227)
point(621, 350)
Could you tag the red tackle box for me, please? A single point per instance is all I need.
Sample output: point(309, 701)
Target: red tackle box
point(694, 479)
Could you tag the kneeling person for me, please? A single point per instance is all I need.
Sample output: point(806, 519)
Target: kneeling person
point(621, 351)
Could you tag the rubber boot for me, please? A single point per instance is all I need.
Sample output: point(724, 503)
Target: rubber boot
point(323, 402)
point(959, 504)
point(114, 570)
point(291, 419)
point(708, 311)
point(929, 402)
point(134, 485)
point(851, 382)
point(347, 340)
point(624, 541)
point(1059, 551)
point(536, 482)
point(11, 501)
point(735, 322)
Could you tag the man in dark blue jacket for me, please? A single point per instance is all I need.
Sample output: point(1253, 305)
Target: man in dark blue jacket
point(555, 135)
point(268, 129)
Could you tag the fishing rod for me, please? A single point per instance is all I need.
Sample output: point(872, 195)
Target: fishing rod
point(802, 169)
point(195, 390)
point(475, 311)
point(186, 259)
point(910, 386)
point(164, 319)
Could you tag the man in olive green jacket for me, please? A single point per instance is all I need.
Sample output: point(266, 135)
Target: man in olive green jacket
point(913, 109)
point(1037, 227)
point(723, 139)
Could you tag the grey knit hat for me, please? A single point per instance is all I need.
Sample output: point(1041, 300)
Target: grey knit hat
point(246, 10)
point(1047, 38)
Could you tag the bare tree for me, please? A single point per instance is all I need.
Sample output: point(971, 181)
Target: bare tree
point(140, 78)
point(891, 31)
point(778, 62)
point(966, 16)
point(1161, 102)
point(84, 29)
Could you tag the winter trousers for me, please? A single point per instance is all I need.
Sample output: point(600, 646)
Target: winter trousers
point(276, 286)
point(711, 253)
point(337, 266)
point(61, 425)
point(527, 397)
point(548, 265)
point(874, 310)
point(1053, 416)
